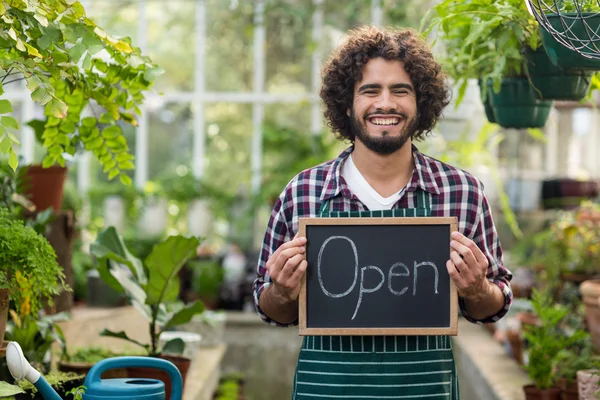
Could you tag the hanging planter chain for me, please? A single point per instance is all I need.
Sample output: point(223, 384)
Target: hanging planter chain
point(572, 29)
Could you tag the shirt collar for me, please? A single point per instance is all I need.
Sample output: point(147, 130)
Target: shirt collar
point(422, 175)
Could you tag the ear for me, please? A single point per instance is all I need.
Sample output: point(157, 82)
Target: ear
point(348, 112)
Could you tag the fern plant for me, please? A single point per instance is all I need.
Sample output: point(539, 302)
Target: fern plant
point(546, 340)
point(28, 266)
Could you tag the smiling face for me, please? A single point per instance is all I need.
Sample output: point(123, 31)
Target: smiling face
point(384, 109)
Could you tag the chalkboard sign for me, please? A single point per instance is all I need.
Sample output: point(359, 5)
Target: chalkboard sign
point(378, 276)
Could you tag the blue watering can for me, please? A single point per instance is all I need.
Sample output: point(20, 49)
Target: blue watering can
point(101, 389)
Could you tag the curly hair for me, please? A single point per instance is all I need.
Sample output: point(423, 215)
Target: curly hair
point(346, 64)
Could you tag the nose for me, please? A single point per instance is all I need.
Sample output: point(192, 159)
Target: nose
point(385, 101)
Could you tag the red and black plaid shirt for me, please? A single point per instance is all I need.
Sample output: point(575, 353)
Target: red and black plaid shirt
point(452, 192)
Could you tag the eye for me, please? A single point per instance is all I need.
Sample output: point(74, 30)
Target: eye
point(370, 92)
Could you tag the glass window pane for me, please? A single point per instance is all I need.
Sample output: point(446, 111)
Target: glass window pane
point(117, 18)
point(289, 46)
point(229, 33)
point(171, 43)
point(228, 146)
point(170, 139)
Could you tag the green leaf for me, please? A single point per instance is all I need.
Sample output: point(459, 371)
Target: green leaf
point(107, 118)
point(5, 107)
point(109, 244)
point(5, 145)
point(113, 174)
point(164, 263)
point(58, 108)
point(6, 389)
point(111, 132)
point(122, 335)
point(125, 180)
point(9, 122)
point(126, 165)
point(48, 161)
point(38, 94)
point(13, 161)
point(174, 346)
point(76, 52)
point(89, 122)
point(185, 315)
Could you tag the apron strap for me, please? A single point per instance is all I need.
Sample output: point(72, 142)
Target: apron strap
point(423, 203)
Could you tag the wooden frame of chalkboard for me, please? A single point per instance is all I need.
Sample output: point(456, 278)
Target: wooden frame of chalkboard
point(447, 225)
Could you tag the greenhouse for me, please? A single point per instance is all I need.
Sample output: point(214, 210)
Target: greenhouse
point(181, 183)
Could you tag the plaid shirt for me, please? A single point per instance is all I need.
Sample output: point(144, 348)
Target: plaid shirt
point(452, 192)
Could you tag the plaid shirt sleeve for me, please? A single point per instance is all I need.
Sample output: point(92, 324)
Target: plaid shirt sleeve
point(484, 234)
point(277, 233)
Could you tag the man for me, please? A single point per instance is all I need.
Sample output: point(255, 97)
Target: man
point(381, 90)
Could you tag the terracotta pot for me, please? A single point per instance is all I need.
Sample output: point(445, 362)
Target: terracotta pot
point(82, 368)
point(4, 301)
point(516, 345)
point(588, 382)
point(182, 364)
point(3, 346)
point(568, 391)
point(44, 186)
point(590, 291)
point(533, 393)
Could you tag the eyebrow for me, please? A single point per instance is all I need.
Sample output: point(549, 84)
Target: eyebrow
point(378, 86)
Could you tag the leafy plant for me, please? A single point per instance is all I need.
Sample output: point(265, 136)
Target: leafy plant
point(8, 390)
point(68, 63)
point(152, 286)
point(28, 261)
point(576, 358)
point(483, 39)
point(92, 354)
point(35, 336)
point(546, 340)
point(77, 392)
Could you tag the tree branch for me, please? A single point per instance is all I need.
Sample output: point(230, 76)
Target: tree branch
point(14, 80)
point(7, 74)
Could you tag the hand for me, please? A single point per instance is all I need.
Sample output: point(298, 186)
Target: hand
point(287, 267)
point(468, 268)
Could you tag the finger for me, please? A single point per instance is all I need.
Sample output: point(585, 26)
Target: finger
point(459, 263)
point(454, 274)
point(287, 254)
point(477, 253)
point(464, 251)
point(298, 241)
point(290, 267)
point(299, 272)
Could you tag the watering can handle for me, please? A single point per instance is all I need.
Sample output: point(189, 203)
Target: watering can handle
point(138, 362)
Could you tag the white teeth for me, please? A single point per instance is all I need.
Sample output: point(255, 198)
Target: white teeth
point(385, 121)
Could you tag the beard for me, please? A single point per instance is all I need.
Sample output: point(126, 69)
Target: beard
point(384, 144)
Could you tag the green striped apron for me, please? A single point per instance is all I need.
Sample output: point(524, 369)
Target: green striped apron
point(377, 367)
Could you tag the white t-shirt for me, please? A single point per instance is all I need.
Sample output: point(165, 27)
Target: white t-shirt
point(361, 188)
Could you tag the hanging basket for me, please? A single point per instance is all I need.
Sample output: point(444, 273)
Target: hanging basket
point(554, 83)
point(517, 106)
point(571, 40)
point(489, 112)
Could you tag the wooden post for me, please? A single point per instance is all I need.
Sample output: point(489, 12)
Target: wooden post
point(60, 235)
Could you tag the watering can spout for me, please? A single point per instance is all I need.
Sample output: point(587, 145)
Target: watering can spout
point(20, 369)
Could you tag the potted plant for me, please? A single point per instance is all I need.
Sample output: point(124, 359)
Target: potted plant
point(590, 292)
point(498, 43)
point(83, 359)
point(545, 341)
point(26, 257)
point(62, 382)
point(70, 63)
point(569, 29)
point(152, 287)
point(569, 362)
